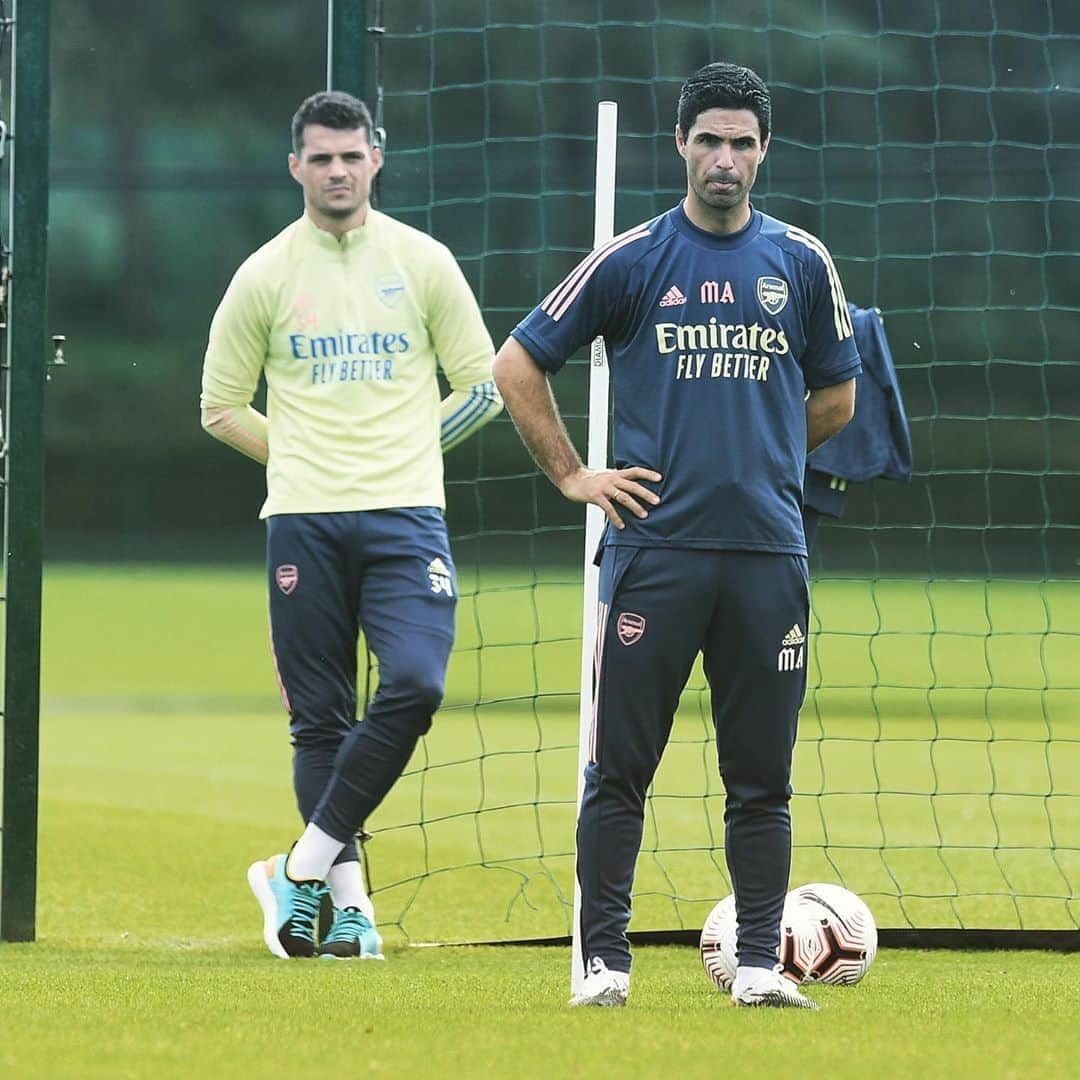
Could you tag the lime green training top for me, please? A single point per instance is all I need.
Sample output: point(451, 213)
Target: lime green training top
point(348, 333)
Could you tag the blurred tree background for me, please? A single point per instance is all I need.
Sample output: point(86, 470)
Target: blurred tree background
point(935, 147)
point(170, 136)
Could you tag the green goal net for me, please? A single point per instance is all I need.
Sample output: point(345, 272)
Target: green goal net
point(936, 149)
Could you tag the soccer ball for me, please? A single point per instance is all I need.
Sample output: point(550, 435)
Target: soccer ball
point(827, 934)
point(718, 943)
point(800, 942)
point(844, 928)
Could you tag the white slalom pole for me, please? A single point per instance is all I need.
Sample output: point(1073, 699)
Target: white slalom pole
point(607, 120)
point(329, 44)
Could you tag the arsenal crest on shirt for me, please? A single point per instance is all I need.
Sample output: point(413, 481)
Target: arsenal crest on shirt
point(772, 294)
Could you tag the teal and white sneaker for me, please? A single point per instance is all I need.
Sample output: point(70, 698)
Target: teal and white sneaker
point(290, 908)
point(352, 934)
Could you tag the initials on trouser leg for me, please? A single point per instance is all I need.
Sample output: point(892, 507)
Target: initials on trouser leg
point(755, 662)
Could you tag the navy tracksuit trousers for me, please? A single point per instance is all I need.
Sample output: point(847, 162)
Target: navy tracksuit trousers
point(747, 613)
point(389, 573)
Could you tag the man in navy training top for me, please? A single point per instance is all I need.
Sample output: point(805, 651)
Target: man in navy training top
point(731, 354)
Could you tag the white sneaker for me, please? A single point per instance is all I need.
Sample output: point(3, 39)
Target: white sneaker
point(761, 988)
point(603, 987)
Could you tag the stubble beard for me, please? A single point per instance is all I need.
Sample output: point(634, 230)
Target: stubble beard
point(338, 211)
point(718, 200)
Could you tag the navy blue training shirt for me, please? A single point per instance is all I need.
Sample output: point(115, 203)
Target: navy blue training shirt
point(713, 342)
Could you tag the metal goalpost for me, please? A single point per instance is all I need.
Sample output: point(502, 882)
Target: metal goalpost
point(24, 149)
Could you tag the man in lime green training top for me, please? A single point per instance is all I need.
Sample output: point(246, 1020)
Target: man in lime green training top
point(348, 313)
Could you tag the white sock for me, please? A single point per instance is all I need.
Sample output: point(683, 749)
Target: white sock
point(346, 881)
point(312, 855)
point(748, 978)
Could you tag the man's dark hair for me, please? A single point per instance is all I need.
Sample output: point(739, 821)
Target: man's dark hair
point(724, 86)
point(332, 109)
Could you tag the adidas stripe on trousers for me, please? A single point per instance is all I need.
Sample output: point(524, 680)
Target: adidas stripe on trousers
point(389, 573)
point(746, 612)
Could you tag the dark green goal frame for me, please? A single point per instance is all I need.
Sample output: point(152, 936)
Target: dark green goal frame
point(346, 46)
point(25, 358)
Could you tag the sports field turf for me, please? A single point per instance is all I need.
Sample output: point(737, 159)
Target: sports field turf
point(165, 772)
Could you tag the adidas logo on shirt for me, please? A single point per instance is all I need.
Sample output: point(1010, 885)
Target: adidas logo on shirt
point(794, 636)
point(673, 297)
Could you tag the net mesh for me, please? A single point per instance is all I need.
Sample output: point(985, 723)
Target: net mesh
point(935, 148)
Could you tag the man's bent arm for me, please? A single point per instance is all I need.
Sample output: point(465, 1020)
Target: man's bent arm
point(828, 411)
point(234, 358)
point(525, 389)
point(240, 427)
point(527, 393)
point(465, 412)
point(463, 346)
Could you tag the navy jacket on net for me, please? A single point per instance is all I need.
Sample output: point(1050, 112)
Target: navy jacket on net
point(877, 441)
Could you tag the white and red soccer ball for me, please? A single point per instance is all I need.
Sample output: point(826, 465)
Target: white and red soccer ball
point(827, 934)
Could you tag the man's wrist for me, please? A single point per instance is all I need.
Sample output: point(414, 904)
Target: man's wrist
point(568, 476)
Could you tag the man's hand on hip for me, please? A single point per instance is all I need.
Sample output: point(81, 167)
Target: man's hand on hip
point(612, 490)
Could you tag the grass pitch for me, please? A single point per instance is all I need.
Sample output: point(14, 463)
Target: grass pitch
point(223, 1008)
point(165, 771)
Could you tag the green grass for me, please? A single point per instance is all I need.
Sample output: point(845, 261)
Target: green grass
point(132, 1009)
point(165, 771)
